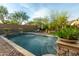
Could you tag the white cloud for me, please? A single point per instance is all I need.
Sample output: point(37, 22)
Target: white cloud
point(40, 13)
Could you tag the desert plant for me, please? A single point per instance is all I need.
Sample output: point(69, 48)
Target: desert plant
point(70, 33)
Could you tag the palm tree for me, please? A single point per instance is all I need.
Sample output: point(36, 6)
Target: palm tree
point(3, 13)
point(19, 16)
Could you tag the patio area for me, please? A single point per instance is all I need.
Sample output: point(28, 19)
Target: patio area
point(7, 50)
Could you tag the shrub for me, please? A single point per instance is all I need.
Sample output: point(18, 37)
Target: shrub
point(70, 33)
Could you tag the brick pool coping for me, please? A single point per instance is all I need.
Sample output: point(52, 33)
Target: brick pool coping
point(12, 49)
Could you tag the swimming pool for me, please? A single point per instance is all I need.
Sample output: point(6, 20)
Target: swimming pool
point(37, 44)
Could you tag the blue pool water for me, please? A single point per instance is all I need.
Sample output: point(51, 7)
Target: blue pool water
point(37, 44)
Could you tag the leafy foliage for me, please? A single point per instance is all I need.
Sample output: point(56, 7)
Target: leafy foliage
point(19, 16)
point(71, 33)
point(41, 22)
point(3, 13)
point(11, 22)
point(59, 20)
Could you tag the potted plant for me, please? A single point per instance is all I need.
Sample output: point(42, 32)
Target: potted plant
point(68, 34)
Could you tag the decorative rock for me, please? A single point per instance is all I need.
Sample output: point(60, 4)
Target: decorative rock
point(67, 49)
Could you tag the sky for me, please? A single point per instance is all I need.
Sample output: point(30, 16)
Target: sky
point(34, 10)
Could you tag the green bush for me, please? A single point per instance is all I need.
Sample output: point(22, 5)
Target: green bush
point(70, 33)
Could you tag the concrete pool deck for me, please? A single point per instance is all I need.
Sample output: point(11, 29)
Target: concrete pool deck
point(8, 48)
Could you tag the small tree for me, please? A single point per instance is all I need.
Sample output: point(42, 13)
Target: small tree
point(42, 23)
point(59, 21)
point(3, 13)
